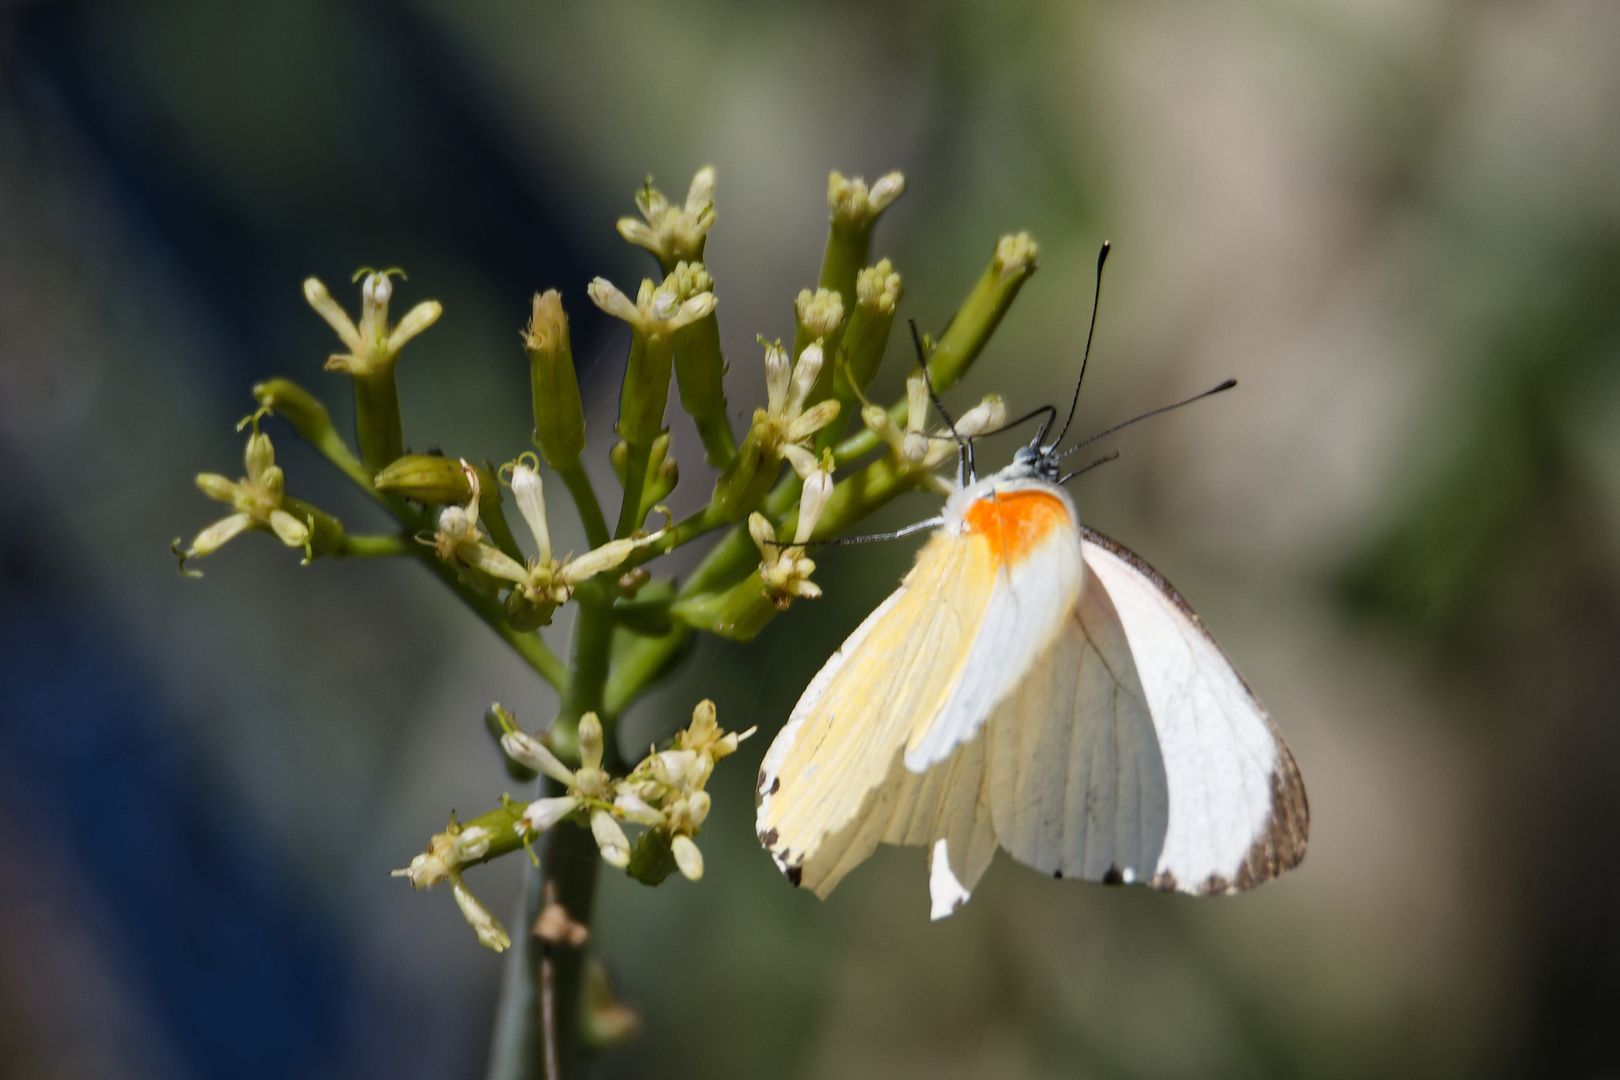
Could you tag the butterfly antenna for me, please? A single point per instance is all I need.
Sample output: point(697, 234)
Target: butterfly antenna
point(1105, 459)
point(964, 446)
point(1227, 385)
point(1096, 297)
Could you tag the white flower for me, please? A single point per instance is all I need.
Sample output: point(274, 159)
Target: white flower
point(784, 570)
point(656, 310)
point(256, 498)
point(372, 345)
point(671, 232)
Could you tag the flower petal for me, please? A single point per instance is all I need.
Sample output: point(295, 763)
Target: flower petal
point(542, 814)
point(416, 320)
point(606, 295)
point(537, 756)
point(687, 857)
point(220, 533)
point(531, 500)
point(328, 309)
point(610, 839)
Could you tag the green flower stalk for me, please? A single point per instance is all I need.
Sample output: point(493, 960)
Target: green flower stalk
point(373, 347)
point(866, 339)
point(700, 369)
point(655, 316)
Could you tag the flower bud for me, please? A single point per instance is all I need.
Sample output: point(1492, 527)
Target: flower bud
point(426, 478)
point(854, 206)
point(559, 417)
point(298, 407)
point(916, 444)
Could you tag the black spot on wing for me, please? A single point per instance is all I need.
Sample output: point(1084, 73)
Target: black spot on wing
point(1113, 877)
point(768, 838)
point(795, 874)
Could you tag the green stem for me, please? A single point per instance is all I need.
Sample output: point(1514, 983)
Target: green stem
point(569, 863)
point(635, 479)
point(374, 547)
point(590, 511)
point(376, 418)
point(640, 666)
point(526, 643)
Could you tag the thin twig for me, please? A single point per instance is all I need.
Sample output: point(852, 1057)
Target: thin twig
point(548, 1016)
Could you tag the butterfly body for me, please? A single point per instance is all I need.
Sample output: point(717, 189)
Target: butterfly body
point(1036, 687)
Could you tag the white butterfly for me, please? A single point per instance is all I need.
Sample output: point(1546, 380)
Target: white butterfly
point(1035, 686)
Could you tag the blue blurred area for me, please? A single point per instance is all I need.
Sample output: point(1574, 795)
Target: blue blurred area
point(244, 976)
point(238, 969)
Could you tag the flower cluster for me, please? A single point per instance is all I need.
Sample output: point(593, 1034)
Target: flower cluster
point(800, 472)
point(664, 792)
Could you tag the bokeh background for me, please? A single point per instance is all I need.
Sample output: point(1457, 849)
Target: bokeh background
point(1396, 222)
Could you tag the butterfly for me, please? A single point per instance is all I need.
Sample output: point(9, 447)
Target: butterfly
point(1032, 685)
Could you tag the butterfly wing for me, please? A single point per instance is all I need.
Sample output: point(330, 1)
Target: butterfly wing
point(832, 773)
point(1075, 781)
point(1236, 808)
point(921, 675)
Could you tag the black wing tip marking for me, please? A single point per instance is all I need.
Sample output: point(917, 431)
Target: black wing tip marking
point(795, 874)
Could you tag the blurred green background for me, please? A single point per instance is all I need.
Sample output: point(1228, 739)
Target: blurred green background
point(1397, 224)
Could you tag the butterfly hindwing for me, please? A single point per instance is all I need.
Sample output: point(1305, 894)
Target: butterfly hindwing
point(1237, 808)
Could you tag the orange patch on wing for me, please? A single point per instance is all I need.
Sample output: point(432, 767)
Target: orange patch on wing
point(1014, 522)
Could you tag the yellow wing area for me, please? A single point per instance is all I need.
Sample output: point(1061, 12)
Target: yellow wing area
point(825, 776)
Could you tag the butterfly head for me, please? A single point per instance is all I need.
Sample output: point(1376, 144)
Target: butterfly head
point(1036, 460)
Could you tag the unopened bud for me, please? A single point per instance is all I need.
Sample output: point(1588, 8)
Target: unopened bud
point(426, 478)
point(559, 417)
point(297, 406)
point(1016, 254)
